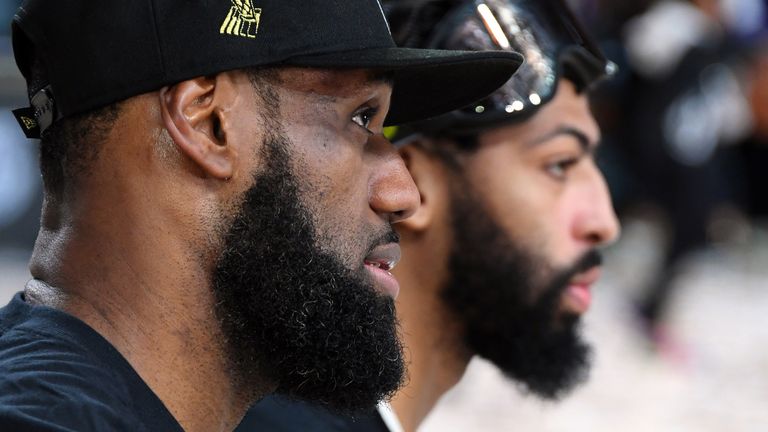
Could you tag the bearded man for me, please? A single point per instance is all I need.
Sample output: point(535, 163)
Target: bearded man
point(501, 255)
point(218, 212)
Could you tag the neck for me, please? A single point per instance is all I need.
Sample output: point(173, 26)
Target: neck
point(432, 339)
point(122, 271)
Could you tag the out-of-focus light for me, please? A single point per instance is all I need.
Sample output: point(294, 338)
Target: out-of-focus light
point(493, 26)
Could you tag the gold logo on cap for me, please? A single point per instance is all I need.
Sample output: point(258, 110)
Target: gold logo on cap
point(29, 123)
point(242, 19)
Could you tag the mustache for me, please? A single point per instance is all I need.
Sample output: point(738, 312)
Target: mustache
point(388, 236)
point(588, 261)
point(591, 259)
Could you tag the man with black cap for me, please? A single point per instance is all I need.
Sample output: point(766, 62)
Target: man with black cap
point(502, 253)
point(219, 201)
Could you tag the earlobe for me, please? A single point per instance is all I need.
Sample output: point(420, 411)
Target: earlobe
point(192, 115)
point(422, 169)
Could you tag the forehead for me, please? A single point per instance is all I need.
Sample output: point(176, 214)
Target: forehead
point(329, 84)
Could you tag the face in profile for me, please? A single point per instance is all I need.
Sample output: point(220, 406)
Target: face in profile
point(297, 284)
point(529, 208)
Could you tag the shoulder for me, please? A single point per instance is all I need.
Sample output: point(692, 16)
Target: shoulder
point(50, 382)
point(14, 419)
point(42, 354)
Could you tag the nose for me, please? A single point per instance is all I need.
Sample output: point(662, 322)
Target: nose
point(392, 194)
point(597, 224)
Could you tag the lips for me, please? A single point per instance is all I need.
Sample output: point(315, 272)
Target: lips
point(587, 278)
point(578, 295)
point(379, 263)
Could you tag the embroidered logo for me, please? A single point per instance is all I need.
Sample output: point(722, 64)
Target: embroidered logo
point(29, 123)
point(242, 19)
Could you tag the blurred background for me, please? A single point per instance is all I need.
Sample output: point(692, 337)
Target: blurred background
point(680, 320)
point(20, 185)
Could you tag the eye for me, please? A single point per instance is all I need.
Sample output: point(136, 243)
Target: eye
point(364, 117)
point(559, 169)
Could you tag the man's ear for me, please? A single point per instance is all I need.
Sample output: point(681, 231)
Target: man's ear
point(428, 176)
point(192, 114)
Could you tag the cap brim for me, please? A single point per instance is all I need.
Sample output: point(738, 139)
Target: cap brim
point(427, 83)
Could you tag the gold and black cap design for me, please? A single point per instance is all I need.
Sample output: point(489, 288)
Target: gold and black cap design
point(95, 53)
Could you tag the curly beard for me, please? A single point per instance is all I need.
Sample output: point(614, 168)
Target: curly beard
point(507, 299)
point(294, 315)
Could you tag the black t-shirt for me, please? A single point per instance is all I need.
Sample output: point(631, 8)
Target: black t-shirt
point(58, 374)
point(279, 414)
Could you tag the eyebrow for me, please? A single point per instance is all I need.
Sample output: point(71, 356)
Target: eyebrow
point(584, 142)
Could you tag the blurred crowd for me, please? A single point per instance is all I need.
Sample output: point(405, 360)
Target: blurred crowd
point(685, 126)
point(684, 120)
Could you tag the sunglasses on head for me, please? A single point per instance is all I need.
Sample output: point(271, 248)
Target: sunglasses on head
point(554, 45)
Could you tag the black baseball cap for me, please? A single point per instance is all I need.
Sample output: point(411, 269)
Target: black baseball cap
point(95, 53)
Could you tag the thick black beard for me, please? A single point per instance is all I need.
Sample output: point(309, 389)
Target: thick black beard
point(509, 315)
point(295, 316)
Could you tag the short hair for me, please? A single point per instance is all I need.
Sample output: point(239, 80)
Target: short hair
point(263, 80)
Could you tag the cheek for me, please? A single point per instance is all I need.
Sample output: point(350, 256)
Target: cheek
point(331, 167)
point(532, 210)
point(564, 247)
point(334, 189)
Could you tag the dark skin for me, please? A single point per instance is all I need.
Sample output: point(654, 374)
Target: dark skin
point(130, 251)
point(540, 182)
